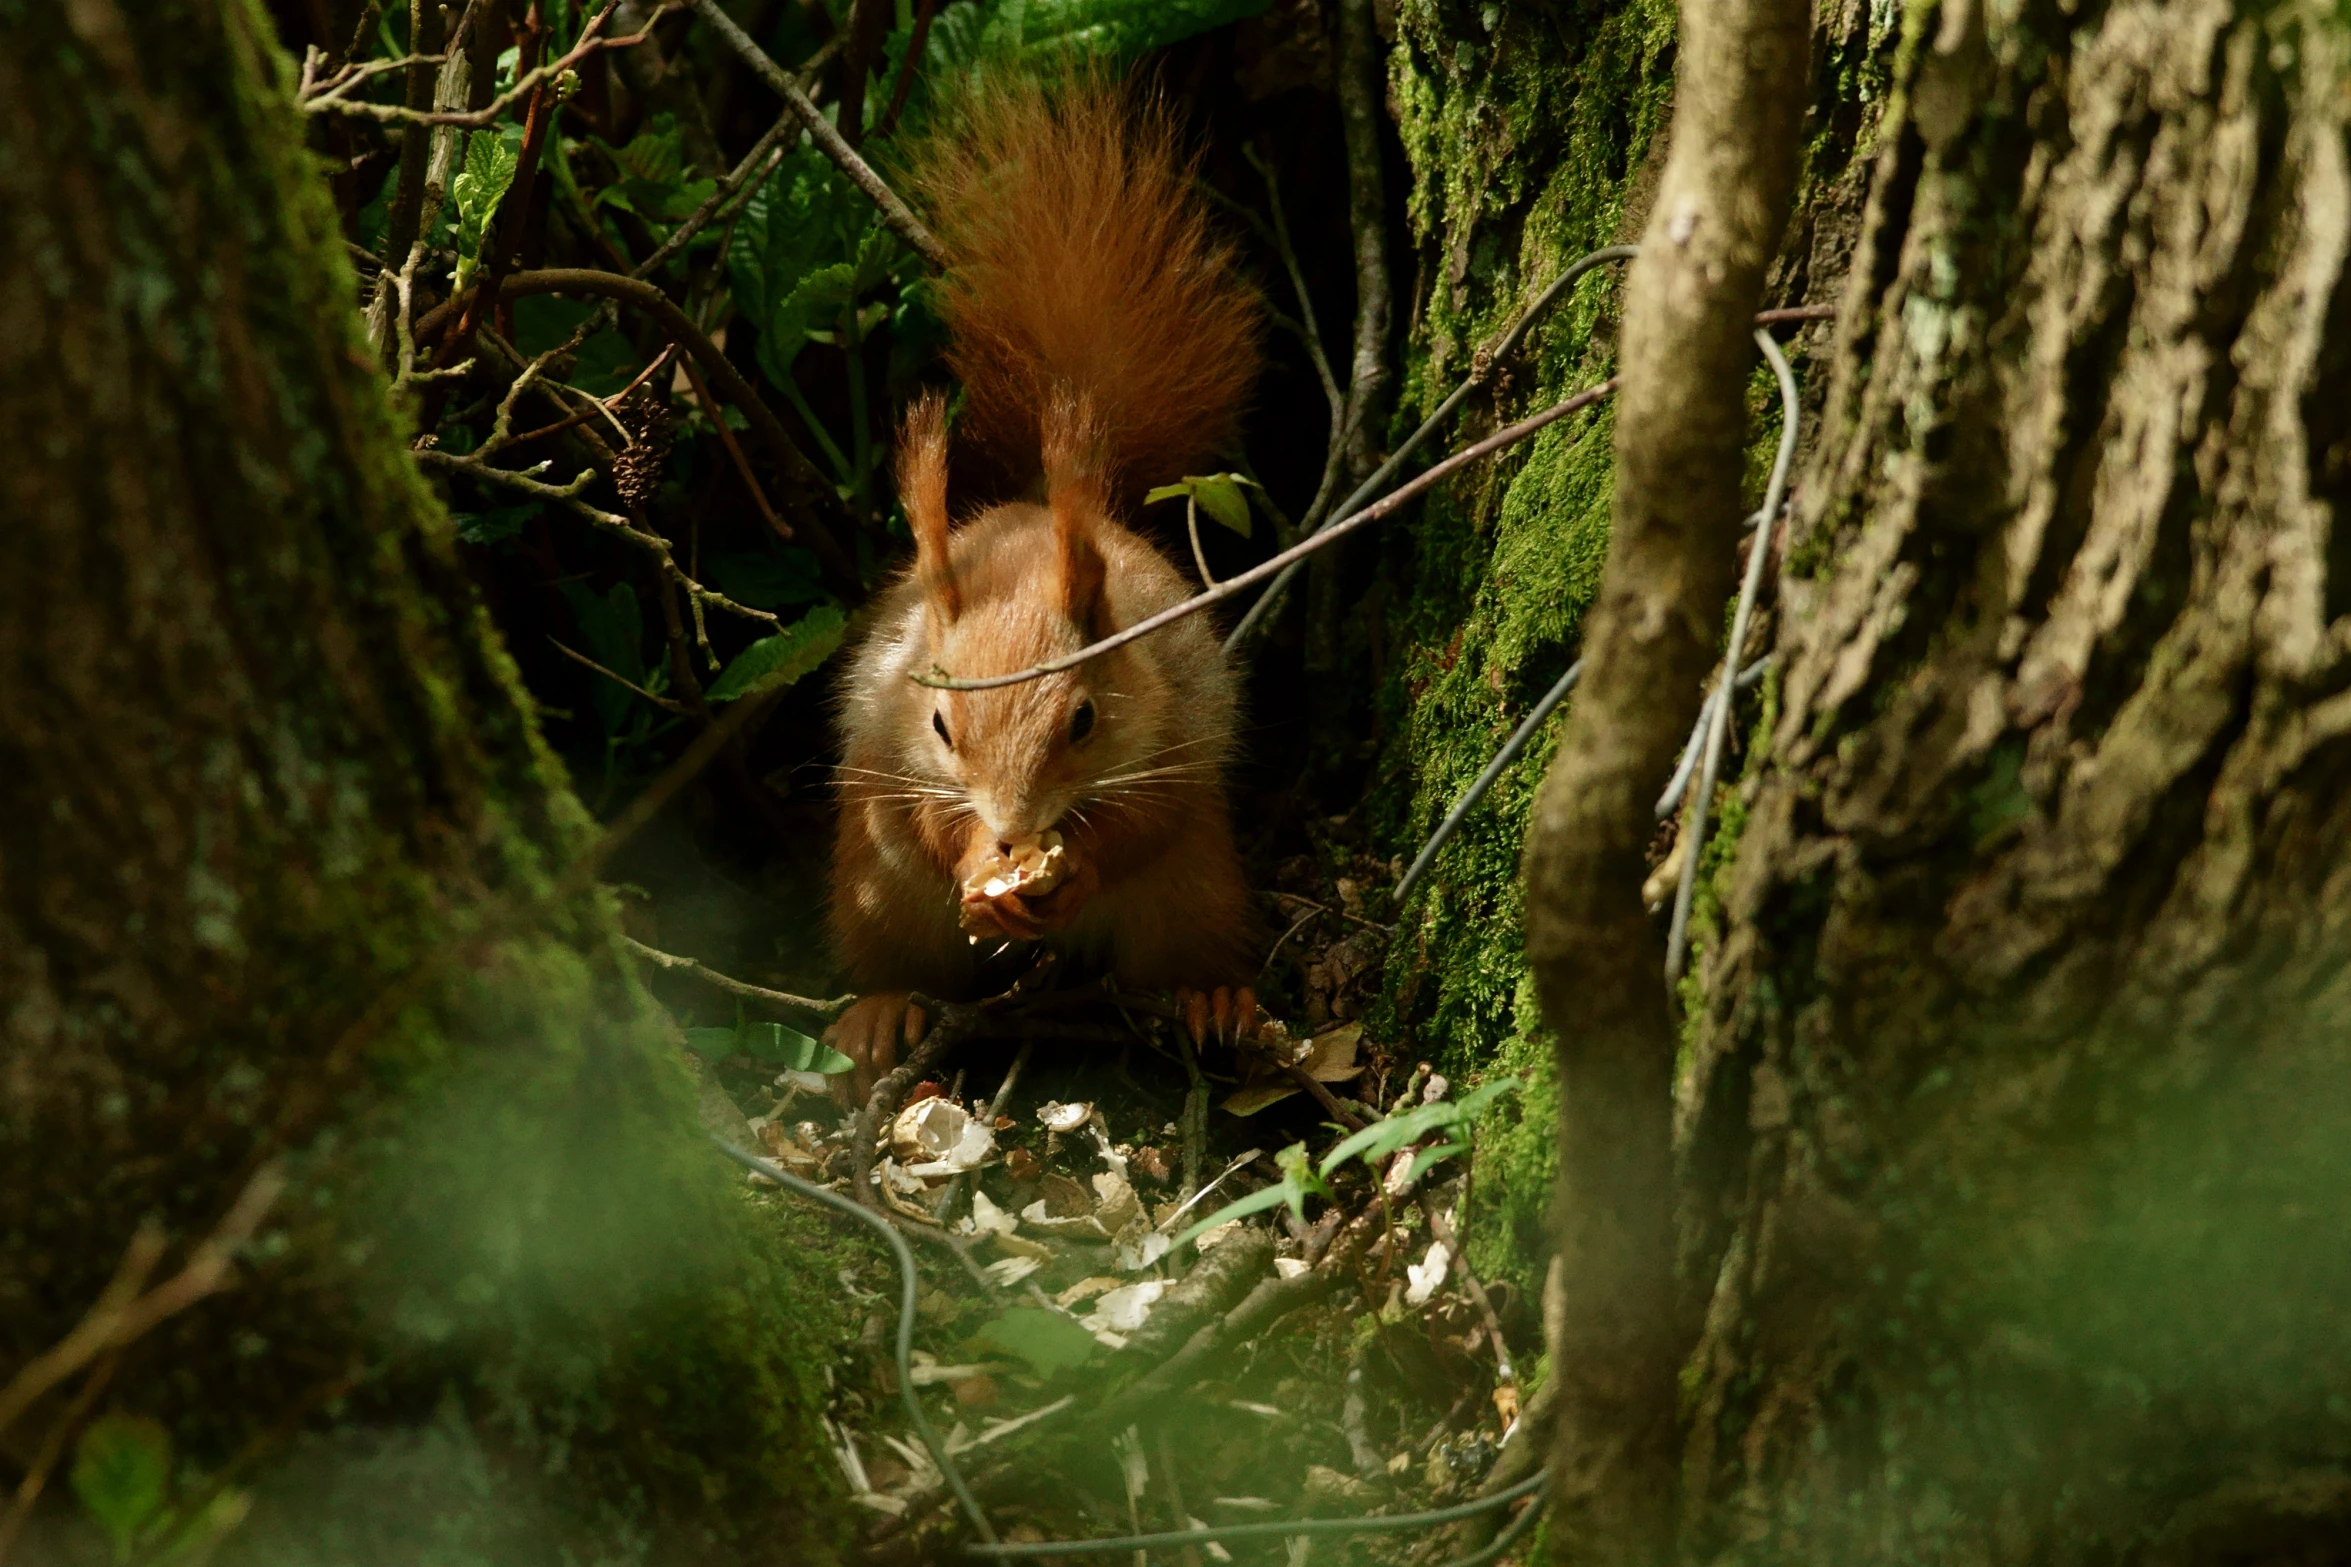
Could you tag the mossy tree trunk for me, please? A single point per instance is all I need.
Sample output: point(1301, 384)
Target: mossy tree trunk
point(261, 758)
point(2010, 1113)
point(1535, 134)
point(2013, 1119)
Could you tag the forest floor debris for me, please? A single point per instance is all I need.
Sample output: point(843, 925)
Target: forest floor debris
point(1157, 1305)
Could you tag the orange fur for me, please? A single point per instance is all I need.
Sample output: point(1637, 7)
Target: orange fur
point(1104, 340)
point(1077, 498)
point(1083, 264)
point(922, 490)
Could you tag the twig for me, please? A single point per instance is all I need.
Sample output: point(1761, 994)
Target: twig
point(1671, 799)
point(662, 702)
point(1481, 367)
point(995, 1108)
point(1441, 1228)
point(1511, 748)
point(826, 1010)
point(1199, 555)
point(122, 1315)
point(1677, 942)
point(746, 174)
point(948, 1027)
point(1324, 1097)
point(895, 213)
point(914, 47)
point(799, 474)
point(333, 102)
point(1650, 636)
point(726, 438)
point(53, 1445)
point(568, 495)
point(1324, 908)
point(1195, 1122)
point(907, 1279)
point(869, 26)
point(1330, 534)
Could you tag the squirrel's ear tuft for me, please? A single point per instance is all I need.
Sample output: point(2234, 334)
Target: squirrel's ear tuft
point(922, 490)
point(1077, 494)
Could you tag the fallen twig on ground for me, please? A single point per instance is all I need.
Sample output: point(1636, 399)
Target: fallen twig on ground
point(824, 1010)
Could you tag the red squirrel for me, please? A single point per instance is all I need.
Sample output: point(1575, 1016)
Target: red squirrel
point(1105, 343)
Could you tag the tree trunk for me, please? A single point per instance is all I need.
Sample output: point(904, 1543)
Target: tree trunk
point(261, 760)
point(2011, 1104)
point(2013, 1123)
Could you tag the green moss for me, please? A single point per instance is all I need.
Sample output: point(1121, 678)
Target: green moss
point(1529, 131)
point(510, 1307)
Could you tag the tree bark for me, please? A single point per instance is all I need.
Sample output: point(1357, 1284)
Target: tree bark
point(2008, 1119)
point(261, 760)
point(2024, 1017)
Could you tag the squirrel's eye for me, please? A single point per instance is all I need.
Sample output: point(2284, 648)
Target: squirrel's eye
point(939, 723)
point(1081, 722)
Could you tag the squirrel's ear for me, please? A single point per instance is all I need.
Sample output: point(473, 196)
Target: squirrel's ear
point(1076, 494)
point(922, 490)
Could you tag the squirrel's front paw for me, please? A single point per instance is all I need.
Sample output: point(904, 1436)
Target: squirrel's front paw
point(1228, 1013)
point(869, 1034)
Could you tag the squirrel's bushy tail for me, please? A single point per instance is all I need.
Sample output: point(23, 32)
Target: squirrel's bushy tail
point(1082, 265)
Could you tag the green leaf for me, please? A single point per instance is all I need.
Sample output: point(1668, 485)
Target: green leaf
point(1120, 29)
point(1256, 1202)
point(805, 245)
point(1298, 1180)
point(656, 154)
point(1047, 1340)
point(1385, 1136)
point(481, 182)
point(1222, 499)
point(712, 1044)
point(783, 658)
point(789, 1049)
point(602, 364)
point(1218, 494)
point(122, 1473)
point(1428, 1157)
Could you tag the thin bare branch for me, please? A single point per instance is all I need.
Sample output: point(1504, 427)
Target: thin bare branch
point(123, 1315)
point(895, 212)
point(1481, 367)
point(799, 475)
point(333, 101)
point(568, 496)
point(623, 681)
point(825, 1011)
point(1330, 534)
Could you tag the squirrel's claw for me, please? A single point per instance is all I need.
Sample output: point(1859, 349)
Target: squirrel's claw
point(1194, 1005)
point(1227, 1014)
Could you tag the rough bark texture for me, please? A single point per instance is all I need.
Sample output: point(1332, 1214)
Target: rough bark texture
point(259, 756)
point(2013, 1123)
point(1598, 962)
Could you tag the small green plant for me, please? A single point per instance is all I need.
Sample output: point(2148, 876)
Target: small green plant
point(1374, 1145)
point(123, 1477)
